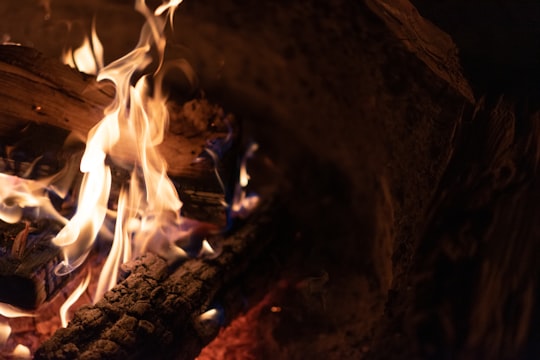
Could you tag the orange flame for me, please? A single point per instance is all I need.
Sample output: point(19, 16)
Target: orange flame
point(148, 213)
point(87, 58)
point(17, 193)
point(242, 203)
point(21, 352)
point(75, 295)
point(10, 311)
point(5, 331)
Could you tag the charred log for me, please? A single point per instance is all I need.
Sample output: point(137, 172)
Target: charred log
point(154, 308)
point(27, 262)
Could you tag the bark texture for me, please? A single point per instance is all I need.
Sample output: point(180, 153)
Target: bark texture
point(154, 313)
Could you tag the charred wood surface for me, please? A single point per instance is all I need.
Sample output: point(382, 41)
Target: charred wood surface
point(154, 313)
point(27, 261)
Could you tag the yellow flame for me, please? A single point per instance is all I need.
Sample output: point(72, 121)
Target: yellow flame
point(148, 214)
point(77, 237)
point(120, 246)
point(244, 176)
point(75, 295)
point(206, 248)
point(83, 58)
point(21, 352)
point(17, 193)
point(243, 204)
point(10, 311)
point(87, 58)
point(170, 7)
point(209, 315)
point(5, 332)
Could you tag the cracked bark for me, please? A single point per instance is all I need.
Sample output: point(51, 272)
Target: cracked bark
point(154, 308)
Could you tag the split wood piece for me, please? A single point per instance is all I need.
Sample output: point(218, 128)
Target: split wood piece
point(38, 89)
point(27, 261)
point(152, 310)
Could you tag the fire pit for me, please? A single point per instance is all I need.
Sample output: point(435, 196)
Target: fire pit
point(386, 185)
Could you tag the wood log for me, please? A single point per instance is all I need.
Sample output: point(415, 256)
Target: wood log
point(38, 89)
point(201, 146)
point(155, 309)
point(27, 263)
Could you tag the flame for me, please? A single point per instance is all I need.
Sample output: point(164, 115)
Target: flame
point(212, 315)
point(206, 249)
point(87, 58)
point(21, 352)
point(17, 193)
point(5, 331)
point(75, 295)
point(120, 253)
point(148, 212)
point(242, 203)
point(10, 311)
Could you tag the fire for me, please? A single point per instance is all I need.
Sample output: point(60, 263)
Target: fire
point(5, 331)
point(87, 58)
point(243, 203)
point(21, 352)
point(16, 194)
point(10, 311)
point(146, 211)
point(75, 295)
point(210, 315)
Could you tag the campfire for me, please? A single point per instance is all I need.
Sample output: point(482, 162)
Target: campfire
point(269, 180)
point(152, 201)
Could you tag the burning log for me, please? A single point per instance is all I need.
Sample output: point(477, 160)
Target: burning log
point(200, 148)
point(154, 308)
point(37, 89)
point(42, 96)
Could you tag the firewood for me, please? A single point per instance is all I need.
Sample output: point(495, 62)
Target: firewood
point(153, 308)
point(37, 89)
point(27, 276)
point(201, 146)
